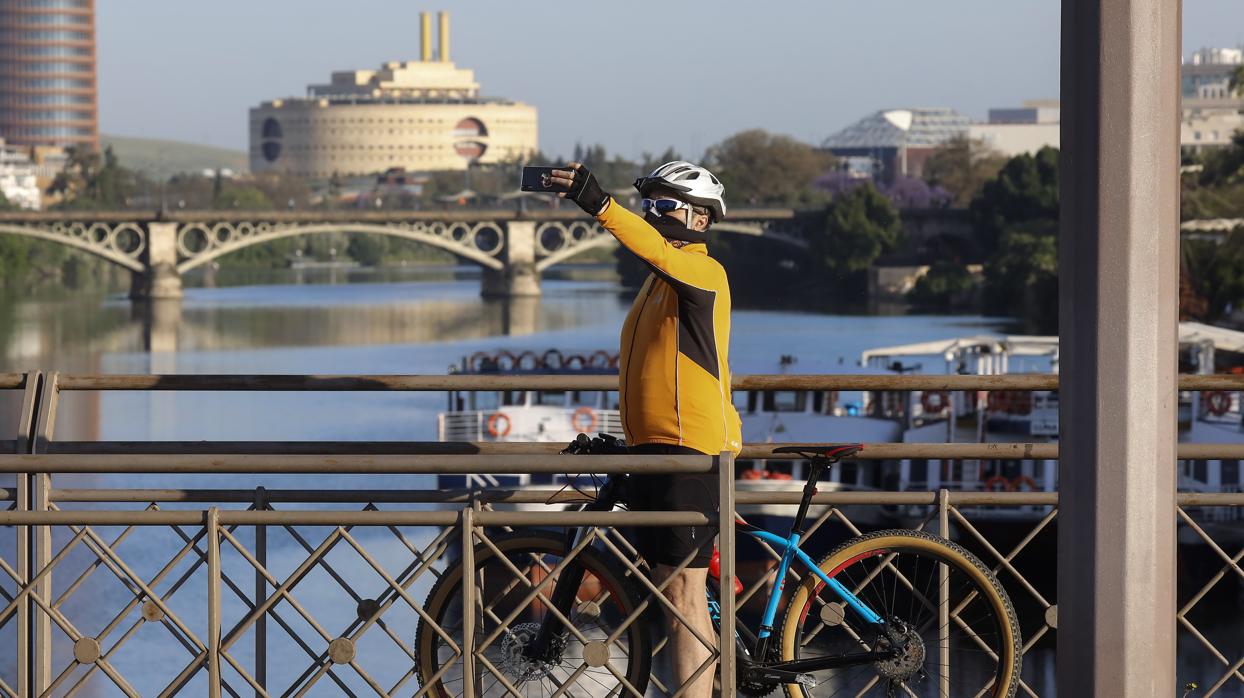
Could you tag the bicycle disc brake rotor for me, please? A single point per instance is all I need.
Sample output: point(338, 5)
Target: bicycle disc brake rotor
point(513, 661)
point(910, 657)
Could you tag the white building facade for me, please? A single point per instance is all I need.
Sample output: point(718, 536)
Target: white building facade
point(18, 178)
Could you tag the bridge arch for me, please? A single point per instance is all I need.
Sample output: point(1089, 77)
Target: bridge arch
point(103, 240)
point(221, 239)
point(578, 238)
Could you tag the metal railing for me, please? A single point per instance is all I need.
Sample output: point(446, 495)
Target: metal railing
point(307, 589)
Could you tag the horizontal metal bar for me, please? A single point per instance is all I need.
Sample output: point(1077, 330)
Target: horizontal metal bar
point(351, 464)
point(352, 518)
point(14, 381)
point(511, 458)
point(491, 448)
point(365, 383)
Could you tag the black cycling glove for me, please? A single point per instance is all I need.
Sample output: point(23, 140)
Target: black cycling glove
point(587, 193)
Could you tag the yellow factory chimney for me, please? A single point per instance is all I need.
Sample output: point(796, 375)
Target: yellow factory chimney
point(444, 38)
point(425, 48)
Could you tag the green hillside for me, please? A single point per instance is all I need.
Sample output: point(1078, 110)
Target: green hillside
point(161, 159)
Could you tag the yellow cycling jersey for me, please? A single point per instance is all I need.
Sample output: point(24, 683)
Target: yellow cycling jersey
point(674, 376)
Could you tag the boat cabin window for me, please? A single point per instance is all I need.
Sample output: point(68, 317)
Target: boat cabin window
point(786, 401)
point(556, 398)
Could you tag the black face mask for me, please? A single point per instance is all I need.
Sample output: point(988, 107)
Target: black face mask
point(673, 229)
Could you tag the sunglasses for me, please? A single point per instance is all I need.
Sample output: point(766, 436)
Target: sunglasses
point(664, 206)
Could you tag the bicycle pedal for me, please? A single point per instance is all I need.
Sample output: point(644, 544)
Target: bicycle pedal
point(806, 680)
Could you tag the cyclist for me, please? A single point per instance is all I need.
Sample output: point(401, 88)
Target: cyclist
point(674, 382)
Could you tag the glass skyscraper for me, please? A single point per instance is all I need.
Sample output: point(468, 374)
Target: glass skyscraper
point(47, 73)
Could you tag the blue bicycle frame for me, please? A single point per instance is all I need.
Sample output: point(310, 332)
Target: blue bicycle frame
point(789, 545)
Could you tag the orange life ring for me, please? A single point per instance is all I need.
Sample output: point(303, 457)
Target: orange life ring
point(495, 431)
point(1021, 481)
point(506, 356)
point(545, 360)
point(573, 358)
point(997, 483)
point(599, 359)
point(577, 419)
point(934, 401)
point(999, 401)
point(1218, 402)
point(527, 361)
point(478, 359)
point(752, 474)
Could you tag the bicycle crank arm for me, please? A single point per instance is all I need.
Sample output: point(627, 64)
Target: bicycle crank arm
point(765, 675)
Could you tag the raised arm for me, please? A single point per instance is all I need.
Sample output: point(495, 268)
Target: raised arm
point(631, 230)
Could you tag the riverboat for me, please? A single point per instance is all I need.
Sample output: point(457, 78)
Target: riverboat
point(1011, 416)
point(557, 416)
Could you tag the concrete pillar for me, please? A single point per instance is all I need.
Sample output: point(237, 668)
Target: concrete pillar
point(520, 315)
point(161, 279)
point(1118, 273)
point(519, 277)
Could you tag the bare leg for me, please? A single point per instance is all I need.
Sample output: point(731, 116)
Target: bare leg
point(686, 593)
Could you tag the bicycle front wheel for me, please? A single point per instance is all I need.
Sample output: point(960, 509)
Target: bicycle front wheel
point(599, 653)
point(969, 647)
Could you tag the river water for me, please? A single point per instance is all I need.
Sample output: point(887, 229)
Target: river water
point(406, 321)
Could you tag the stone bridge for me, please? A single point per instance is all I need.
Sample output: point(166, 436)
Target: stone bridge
point(513, 248)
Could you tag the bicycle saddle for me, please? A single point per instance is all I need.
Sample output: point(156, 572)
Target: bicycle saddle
point(830, 452)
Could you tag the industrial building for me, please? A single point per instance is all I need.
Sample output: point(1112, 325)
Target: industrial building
point(895, 142)
point(414, 115)
point(48, 94)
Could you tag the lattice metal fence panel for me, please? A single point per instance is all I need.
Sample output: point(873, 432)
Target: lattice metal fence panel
point(297, 609)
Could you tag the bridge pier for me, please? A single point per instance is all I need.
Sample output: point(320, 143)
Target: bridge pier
point(160, 280)
point(519, 276)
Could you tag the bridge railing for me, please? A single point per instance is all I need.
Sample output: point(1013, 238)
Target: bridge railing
point(230, 567)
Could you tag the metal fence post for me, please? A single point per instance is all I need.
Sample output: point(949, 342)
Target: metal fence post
point(41, 539)
point(468, 601)
point(213, 602)
point(1118, 281)
point(33, 384)
point(725, 544)
point(261, 594)
point(943, 596)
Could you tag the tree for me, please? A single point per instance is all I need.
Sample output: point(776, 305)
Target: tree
point(759, 168)
point(946, 286)
point(1236, 85)
point(368, 250)
point(1212, 276)
point(962, 166)
point(857, 228)
point(1024, 191)
point(1021, 278)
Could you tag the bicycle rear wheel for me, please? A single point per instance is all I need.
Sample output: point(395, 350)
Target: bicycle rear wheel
point(902, 576)
point(586, 664)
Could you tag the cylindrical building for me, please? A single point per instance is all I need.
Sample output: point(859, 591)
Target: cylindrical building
point(416, 115)
point(47, 73)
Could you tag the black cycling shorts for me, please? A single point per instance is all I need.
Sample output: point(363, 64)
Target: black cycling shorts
point(670, 545)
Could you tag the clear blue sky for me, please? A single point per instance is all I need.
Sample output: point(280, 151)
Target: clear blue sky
point(635, 76)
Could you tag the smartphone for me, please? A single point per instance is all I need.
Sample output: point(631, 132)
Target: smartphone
point(540, 179)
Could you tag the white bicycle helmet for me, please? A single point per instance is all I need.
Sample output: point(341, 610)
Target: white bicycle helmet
point(691, 182)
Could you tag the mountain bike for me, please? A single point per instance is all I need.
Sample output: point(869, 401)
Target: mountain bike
point(895, 612)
